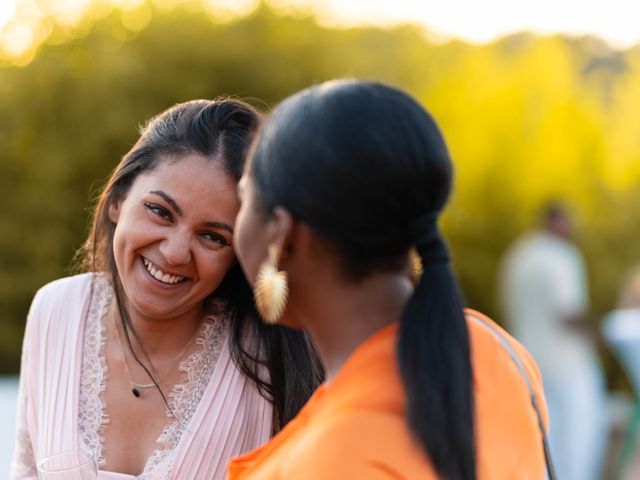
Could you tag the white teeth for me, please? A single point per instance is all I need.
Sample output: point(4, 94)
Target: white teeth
point(160, 275)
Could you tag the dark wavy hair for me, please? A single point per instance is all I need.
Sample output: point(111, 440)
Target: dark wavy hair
point(221, 131)
point(366, 167)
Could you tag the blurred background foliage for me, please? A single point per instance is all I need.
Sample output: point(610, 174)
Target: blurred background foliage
point(527, 118)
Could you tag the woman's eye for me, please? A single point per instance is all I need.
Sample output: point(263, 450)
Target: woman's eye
point(158, 211)
point(216, 238)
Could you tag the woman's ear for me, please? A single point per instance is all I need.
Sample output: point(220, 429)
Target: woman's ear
point(114, 210)
point(280, 231)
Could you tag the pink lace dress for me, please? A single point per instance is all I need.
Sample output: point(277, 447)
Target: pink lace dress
point(63, 377)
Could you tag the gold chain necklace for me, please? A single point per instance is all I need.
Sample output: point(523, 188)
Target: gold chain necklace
point(137, 387)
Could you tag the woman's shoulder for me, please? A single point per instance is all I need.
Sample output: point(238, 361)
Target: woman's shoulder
point(505, 376)
point(493, 347)
point(64, 292)
point(57, 310)
point(71, 282)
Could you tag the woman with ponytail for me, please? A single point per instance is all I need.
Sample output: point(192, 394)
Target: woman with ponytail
point(343, 186)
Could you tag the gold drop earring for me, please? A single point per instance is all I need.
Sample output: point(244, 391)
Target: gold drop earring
point(416, 266)
point(271, 288)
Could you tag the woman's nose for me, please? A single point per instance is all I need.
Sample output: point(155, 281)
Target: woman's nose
point(176, 249)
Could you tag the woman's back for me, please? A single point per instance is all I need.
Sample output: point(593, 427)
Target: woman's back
point(356, 427)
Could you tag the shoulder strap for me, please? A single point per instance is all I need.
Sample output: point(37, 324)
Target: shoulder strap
point(534, 400)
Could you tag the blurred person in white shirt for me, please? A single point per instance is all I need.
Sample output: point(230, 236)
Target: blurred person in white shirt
point(543, 284)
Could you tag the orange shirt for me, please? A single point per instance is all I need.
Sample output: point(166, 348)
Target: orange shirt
point(355, 427)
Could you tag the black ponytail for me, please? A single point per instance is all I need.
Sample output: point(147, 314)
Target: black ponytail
point(434, 359)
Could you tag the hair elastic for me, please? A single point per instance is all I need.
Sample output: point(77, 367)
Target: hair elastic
point(429, 242)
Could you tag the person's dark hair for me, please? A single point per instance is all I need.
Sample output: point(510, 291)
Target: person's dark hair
point(221, 131)
point(553, 210)
point(366, 167)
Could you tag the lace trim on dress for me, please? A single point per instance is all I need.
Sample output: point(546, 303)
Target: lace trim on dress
point(92, 416)
point(184, 398)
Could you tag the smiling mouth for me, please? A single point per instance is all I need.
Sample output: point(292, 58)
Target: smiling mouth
point(161, 276)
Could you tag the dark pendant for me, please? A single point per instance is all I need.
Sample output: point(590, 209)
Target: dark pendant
point(136, 392)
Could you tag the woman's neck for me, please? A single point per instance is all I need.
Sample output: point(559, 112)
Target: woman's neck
point(339, 317)
point(155, 336)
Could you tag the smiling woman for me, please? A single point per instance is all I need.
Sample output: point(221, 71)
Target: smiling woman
point(172, 243)
point(155, 360)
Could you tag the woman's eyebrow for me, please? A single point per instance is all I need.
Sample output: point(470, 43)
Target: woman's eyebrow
point(178, 210)
point(168, 199)
point(222, 225)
